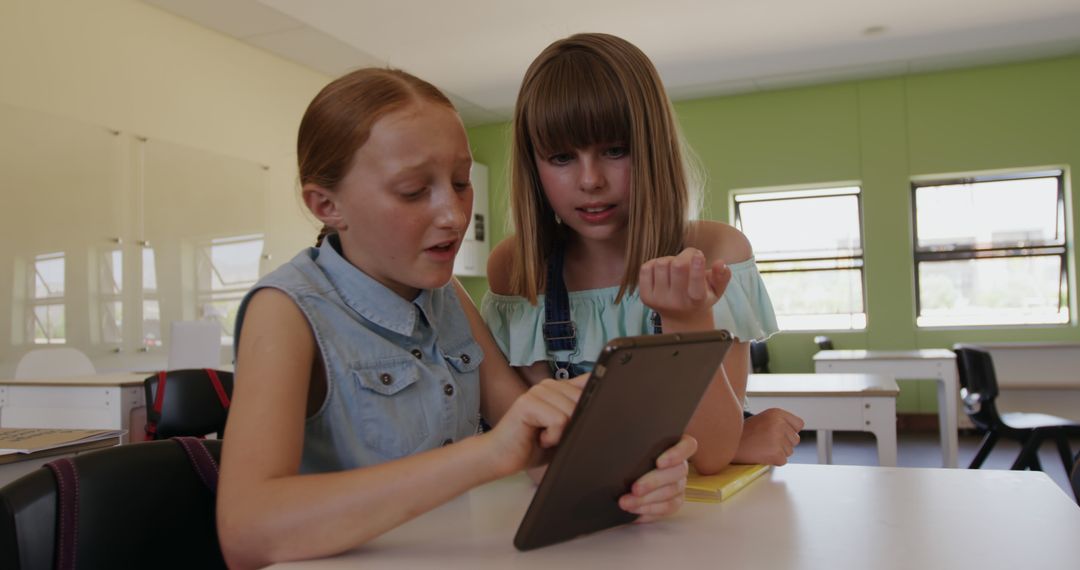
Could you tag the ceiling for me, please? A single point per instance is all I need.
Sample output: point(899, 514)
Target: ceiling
point(477, 50)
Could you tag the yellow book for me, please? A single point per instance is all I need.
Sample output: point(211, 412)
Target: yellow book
point(716, 488)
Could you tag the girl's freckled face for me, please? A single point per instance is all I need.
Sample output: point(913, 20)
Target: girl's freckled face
point(407, 200)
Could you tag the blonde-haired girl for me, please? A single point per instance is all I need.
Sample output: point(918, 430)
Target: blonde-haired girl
point(604, 247)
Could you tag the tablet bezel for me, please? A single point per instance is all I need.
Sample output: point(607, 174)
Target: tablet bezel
point(615, 433)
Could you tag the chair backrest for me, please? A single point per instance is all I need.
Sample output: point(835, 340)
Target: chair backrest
point(54, 363)
point(975, 368)
point(759, 357)
point(192, 403)
point(1074, 477)
point(137, 506)
point(194, 344)
point(823, 342)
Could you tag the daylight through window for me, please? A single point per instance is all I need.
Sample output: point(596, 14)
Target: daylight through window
point(808, 246)
point(991, 251)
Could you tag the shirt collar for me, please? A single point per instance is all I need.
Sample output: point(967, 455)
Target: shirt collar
point(371, 299)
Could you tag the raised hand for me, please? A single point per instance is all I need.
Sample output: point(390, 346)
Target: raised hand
point(683, 288)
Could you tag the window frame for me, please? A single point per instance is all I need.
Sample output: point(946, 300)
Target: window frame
point(208, 296)
point(848, 262)
point(106, 258)
point(961, 253)
point(47, 301)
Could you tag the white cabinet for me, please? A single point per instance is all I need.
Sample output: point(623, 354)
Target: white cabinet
point(472, 257)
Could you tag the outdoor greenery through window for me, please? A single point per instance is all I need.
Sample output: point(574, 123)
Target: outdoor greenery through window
point(808, 246)
point(991, 250)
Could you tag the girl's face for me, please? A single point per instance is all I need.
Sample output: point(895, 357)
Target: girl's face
point(406, 201)
point(589, 188)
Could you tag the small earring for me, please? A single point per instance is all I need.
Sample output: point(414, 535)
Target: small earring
point(558, 220)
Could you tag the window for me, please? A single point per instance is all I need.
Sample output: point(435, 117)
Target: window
point(227, 268)
point(991, 250)
point(151, 306)
point(46, 318)
point(110, 290)
point(808, 245)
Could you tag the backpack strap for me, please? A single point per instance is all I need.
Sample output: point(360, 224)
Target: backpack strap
point(222, 396)
point(201, 461)
point(67, 482)
point(159, 398)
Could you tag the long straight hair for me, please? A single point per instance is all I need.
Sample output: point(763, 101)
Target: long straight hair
point(596, 89)
point(339, 119)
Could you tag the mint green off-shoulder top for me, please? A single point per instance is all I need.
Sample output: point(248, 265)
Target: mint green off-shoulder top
point(745, 310)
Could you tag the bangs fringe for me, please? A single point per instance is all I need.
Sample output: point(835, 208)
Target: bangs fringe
point(577, 102)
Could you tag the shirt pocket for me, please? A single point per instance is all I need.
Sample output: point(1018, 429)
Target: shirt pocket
point(393, 421)
point(464, 358)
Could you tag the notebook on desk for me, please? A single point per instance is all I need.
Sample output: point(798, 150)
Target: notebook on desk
point(722, 485)
point(21, 442)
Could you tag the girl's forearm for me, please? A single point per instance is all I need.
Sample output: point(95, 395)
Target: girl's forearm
point(308, 516)
point(717, 425)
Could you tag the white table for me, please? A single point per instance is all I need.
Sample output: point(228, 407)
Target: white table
point(15, 465)
point(936, 363)
point(833, 402)
point(101, 401)
point(796, 517)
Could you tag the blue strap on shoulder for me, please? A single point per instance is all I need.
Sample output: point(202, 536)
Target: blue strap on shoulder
point(560, 332)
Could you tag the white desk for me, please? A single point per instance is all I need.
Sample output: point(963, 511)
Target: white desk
point(833, 402)
point(15, 465)
point(102, 401)
point(936, 363)
point(796, 517)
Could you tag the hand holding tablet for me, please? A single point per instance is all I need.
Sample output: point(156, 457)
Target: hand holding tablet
point(635, 406)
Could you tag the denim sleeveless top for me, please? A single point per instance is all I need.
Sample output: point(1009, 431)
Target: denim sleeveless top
point(402, 377)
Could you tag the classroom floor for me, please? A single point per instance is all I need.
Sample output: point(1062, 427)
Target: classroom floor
point(922, 449)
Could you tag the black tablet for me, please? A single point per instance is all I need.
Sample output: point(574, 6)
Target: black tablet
point(635, 405)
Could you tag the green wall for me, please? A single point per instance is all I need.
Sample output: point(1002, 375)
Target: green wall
point(491, 146)
point(879, 133)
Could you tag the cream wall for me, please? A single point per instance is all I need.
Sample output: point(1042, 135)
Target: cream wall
point(131, 67)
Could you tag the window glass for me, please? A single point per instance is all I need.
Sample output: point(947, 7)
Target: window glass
point(46, 318)
point(808, 245)
point(991, 251)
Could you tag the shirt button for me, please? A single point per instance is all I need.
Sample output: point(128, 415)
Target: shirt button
point(448, 390)
point(447, 442)
point(416, 352)
point(465, 358)
point(386, 379)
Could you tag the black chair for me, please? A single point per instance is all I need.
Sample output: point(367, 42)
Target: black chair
point(759, 357)
point(978, 392)
point(144, 505)
point(193, 402)
point(823, 342)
